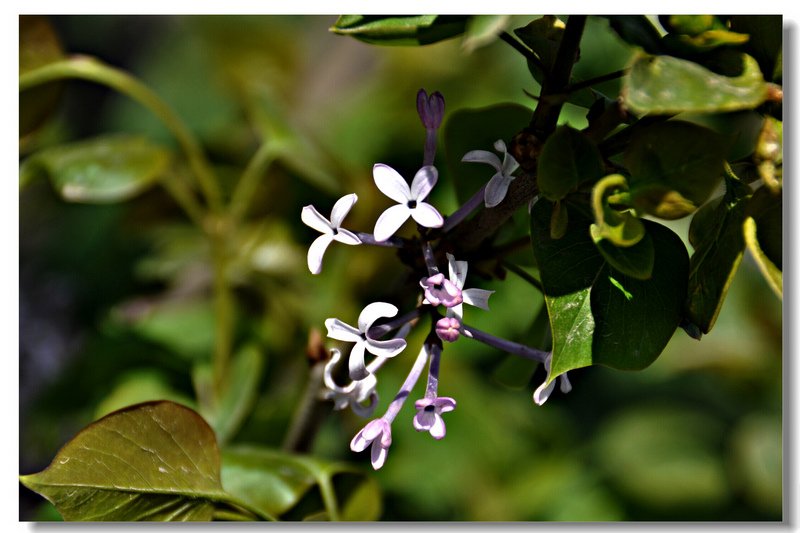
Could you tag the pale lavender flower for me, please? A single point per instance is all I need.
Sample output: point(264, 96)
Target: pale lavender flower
point(543, 392)
point(439, 290)
point(498, 186)
point(476, 297)
point(378, 433)
point(447, 329)
point(355, 394)
point(429, 415)
point(410, 200)
point(340, 331)
point(331, 229)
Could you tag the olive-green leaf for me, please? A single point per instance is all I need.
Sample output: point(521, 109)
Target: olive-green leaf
point(543, 36)
point(597, 314)
point(636, 30)
point(765, 43)
point(719, 250)
point(101, 170)
point(567, 160)
point(482, 30)
point(772, 273)
point(410, 30)
point(667, 85)
point(38, 46)
point(674, 167)
point(636, 261)
point(151, 461)
point(620, 228)
point(763, 231)
point(478, 129)
point(688, 45)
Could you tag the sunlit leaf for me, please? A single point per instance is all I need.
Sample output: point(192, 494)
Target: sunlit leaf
point(101, 170)
point(410, 30)
point(666, 85)
point(624, 323)
point(482, 30)
point(719, 250)
point(152, 461)
point(674, 166)
point(567, 160)
point(688, 45)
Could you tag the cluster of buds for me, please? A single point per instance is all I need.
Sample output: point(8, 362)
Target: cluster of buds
point(438, 290)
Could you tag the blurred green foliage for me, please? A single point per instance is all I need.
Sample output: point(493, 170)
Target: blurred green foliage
point(114, 309)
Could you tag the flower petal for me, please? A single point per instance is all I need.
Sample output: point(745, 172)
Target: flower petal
point(365, 411)
point(456, 312)
point(482, 156)
point(391, 183)
point(342, 332)
point(311, 218)
point(458, 271)
point(317, 250)
point(390, 221)
point(423, 182)
point(341, 208)
point(373, 312)
point(437, 428)
point(543, 393)
point(346, 237)
point(566, 386)
point(423, 420)
point(358, 370)
point(327, 375)
point(379, 454)
point(477, 297)
point(496, 189)
point(388, 348)
point(427, 215)
point(444, 404)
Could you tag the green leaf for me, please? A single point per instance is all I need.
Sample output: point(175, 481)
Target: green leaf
point(674, 167)
point(668, 85)
point(636, 261)
point(680, 44)
point(38, 46)
point(636, 30)
point(543, 36)
point(101, 170)
point(687, 24)
point(516, 372)
point(478, 129)
point(185, 327)
point(275, 481)
point(152, 461)
point(763, 233)
point(719, 250)
point(568, 159)
point(597, 314)
point(482, 30)
point(411, 30)
point(765, 43)
point(138, 386)
point(620, 228)
point(227, 410)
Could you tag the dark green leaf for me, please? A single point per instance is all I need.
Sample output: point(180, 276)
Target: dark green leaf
point(674, 167)
point(667, 85)
point(765, 43)
point(482, 30)
point(227, 409)
point(102, 170)
point(687, 24)
point(478, 129)
point(410, 30)
point(635, 261)
point(543, 36)
point(772, 273)
point(38, 46)
point(763, 231)
point(568, 159)
point(720, 246)
point(152, 461)
point(636, 30)
point(597, 314)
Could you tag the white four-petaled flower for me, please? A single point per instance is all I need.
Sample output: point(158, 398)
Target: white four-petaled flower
point(476, 297)
point(353, 394)
point(439, 290)
point(543, 392)
point(429, 415)
point(410, 200)
point(379, 434)
point(331, 229)
point(340, 331)
point(498, 186)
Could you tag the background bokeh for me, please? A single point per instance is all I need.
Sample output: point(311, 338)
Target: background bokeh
point(114, 298)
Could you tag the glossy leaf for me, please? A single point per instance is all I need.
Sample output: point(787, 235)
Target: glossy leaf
point(688, 24)
point(719, 250)
point(409, 30)
point(636, 261)
point(636, 30)
point(597, 314)
point(478, 129)
point(38, 46)
point(667, 85)
point(763, 231)
point(275, 481)
point(101, 170)
point(482, 30)
point(688, 45)
point(620, 228)
point(543, 36)
point(227, 409)
point(152, 461)
point(567, 160)
point(674, 167)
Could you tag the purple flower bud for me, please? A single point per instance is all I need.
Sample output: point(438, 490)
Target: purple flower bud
point(439, 290)
point(430, 109)
point(447, 329)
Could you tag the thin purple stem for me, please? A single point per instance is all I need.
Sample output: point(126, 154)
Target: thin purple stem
point(408, 384)
point(377, 332)
point(502, 344)
point(430, 147)
point(391, 242)
point(465, 210)
point(430, 259)
point(433, 373)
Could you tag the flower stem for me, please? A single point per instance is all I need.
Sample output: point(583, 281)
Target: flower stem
point(507, 346)
point(465, 210)
point(391, 242)
point(377, 332)
point(408, 384)
point(430, 259)
point(524, 275)
point(433, 372)
point(246, 187)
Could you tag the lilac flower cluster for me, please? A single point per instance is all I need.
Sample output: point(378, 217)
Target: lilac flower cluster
point(438, 290)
